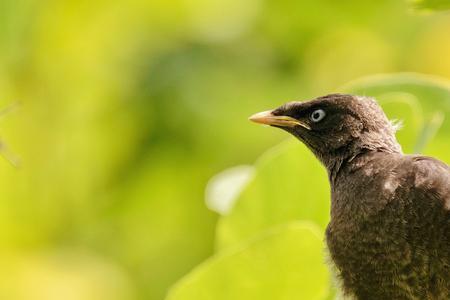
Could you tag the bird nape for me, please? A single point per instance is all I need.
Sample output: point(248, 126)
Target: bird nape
point(389, 232)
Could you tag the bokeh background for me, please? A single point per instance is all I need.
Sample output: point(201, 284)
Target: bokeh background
point(128, 108)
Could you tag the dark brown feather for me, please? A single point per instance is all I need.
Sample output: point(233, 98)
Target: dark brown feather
point(389, 234)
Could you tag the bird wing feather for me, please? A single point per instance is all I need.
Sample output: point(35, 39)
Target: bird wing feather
point(432, 177)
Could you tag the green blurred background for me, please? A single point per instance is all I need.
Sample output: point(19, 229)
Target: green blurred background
point(129, 107)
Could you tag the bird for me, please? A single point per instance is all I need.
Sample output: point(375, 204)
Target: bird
point(389, 231)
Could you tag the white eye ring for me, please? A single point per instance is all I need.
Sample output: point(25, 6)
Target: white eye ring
point(318, 115)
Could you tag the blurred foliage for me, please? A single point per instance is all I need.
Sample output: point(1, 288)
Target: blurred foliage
point(129, 107)
point(433, 4)
point(266, 267)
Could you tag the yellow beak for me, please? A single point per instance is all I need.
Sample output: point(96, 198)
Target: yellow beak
point(267, 118)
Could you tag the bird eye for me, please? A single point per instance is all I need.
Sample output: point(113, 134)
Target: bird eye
point(318, 115)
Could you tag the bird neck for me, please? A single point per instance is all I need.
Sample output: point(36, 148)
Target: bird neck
point(380, 141)
point(351, 155)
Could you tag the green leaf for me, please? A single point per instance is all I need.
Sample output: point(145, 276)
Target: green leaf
point(429, 131)
point(289, 184)
point(432, 4)
point(285, 262)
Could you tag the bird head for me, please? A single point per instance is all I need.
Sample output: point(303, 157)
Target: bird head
point(336, 126)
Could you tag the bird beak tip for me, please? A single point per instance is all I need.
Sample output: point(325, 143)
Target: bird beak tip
point(261, 117)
